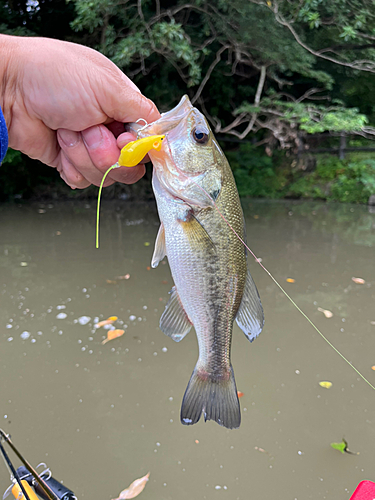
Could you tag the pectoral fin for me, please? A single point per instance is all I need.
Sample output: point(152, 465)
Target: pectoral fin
point(160, 250)
point(250, 317)
point(174, 321)
point(197, 234)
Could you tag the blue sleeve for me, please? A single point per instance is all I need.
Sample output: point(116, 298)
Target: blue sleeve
point(3, 137)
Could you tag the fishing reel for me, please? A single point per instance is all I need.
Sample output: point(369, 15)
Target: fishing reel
point(27, 483)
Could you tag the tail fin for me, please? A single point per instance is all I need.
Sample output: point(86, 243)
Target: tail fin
point(216, 397)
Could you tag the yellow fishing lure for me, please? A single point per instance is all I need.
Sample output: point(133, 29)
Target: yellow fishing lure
point(135, 151)
point(130, 156)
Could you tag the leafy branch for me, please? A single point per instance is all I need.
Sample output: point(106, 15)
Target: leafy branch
point(358, 64)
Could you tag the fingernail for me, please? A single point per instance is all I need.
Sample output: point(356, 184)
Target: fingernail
point(93, 137)
point(68, 137)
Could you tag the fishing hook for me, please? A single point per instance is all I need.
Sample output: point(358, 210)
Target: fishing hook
point(142, 128)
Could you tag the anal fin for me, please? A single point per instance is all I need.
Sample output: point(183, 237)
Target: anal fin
point(174, 321)
point(250, 316)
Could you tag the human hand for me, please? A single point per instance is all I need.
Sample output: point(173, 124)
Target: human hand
point(65, 104)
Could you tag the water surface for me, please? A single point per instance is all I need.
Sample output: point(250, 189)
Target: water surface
point(103, 415)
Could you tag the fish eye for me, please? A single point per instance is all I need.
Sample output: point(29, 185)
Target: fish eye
point(200, 135)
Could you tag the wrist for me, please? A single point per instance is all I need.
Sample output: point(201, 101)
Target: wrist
point(8, 76)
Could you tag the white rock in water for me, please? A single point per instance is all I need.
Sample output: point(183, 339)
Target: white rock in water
point(83, 320)
point(61, 316)
point(25, 335)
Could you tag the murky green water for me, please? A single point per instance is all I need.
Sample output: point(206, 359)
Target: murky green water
point(103, 415)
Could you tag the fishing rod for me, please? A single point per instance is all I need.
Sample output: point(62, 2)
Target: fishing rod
point(27, 483)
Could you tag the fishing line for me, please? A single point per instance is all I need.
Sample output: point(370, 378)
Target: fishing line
point(98, 204)
point(130, 156)
point(295, 305)
point(251, 252)
point(275, 281)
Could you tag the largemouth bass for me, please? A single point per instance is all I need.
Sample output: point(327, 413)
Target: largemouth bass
point(192, 182)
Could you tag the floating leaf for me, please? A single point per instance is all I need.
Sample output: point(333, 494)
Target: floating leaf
point(196, 441)
point(340, 446)
point(373, 368)
point(135, 488)
point(359, 281)
point(111, 282)
point(291, 280)
point(240, 394)
point(325, 384)
point(107, 321)
point(343, 447)
point(262, 450)
point(113, 334)
point(146, 243)
point(327, 314)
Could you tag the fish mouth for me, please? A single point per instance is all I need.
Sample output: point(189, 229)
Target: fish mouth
point(166, 122)
point(174, 124)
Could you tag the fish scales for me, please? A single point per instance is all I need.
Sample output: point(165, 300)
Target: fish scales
point(195, 191)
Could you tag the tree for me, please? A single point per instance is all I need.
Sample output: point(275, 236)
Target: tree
point(253, 67)
point(275, 69)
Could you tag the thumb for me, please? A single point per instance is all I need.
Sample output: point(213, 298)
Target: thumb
point(127, 104)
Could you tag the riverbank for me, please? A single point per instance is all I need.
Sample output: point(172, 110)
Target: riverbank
point(315, 177)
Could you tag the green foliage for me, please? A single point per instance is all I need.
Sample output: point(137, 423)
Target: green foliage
point(349, 17)
point(309, 117)
point(255, 173)
point(214, 51)
point(180, 43)
point(356, 183)
point(306, 187)
point(350, 181)
point(333, 120)
point(165, 38)
point(131, 38)
point(347, 181)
